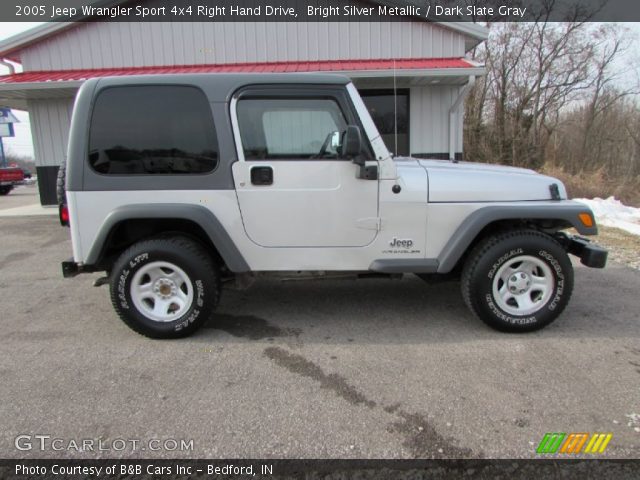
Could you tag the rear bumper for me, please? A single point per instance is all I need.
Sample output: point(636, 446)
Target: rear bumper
point(70, 268)
point(590, 254)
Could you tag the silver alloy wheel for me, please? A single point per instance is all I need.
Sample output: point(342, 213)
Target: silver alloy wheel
point(161, 291)
point(523, 285)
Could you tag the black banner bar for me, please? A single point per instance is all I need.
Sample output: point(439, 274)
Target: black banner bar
point(478, 11)
point(325, 469)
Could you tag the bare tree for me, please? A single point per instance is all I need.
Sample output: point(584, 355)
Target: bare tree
point(536, 73)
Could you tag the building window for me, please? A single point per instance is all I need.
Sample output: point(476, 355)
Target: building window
point(152, 129)
point(385, 112)
point(289, 128)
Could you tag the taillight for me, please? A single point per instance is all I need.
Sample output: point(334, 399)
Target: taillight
point(63, 213)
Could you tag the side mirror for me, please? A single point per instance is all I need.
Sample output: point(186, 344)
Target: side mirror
point(352, 143)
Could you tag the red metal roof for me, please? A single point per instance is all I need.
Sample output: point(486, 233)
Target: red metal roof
point(271, 67)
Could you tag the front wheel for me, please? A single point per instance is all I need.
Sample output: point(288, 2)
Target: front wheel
point(165, 287)
point(518, 281)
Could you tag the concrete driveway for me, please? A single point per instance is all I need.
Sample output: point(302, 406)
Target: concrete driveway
point(373, 368)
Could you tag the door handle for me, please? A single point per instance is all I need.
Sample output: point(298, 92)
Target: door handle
point(262, 175)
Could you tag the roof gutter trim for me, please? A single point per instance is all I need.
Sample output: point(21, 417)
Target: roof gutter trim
point(429, 72)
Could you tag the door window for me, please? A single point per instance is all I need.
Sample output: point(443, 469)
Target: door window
point(290, 128)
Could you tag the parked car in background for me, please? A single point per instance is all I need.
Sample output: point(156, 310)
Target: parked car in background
point(9, 178)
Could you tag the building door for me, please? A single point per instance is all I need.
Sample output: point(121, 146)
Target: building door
point(389, 110)
point(293, 188)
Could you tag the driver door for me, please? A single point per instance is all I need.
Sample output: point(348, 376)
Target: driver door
point(293, 188)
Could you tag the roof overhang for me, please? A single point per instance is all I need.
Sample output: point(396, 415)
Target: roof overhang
point(414, 78)
point(17, 95)
point(17, 89)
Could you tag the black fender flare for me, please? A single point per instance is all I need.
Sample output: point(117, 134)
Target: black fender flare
point(566, 212)
point(196, 213)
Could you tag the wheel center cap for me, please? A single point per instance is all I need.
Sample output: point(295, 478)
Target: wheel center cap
point(164, 288)
point(519, 282)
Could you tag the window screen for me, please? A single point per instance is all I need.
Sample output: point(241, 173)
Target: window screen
point(289, 127)
point(152, 130)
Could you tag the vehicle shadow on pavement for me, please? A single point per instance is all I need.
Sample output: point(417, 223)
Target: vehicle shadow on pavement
point(409, 311)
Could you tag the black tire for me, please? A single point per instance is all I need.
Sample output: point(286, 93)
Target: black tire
point(489, 262)
point(60, 184)
point(184, 253)
point(6, 189)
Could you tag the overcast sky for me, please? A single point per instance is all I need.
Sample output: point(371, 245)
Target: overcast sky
point(21, 143)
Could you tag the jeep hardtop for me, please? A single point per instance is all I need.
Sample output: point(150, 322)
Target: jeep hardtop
point(177, 184)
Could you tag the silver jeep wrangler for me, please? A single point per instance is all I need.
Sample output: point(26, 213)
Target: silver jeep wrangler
point(175, 185)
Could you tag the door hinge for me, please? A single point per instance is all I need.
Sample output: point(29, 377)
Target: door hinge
point(369, 172)
point(372, 223)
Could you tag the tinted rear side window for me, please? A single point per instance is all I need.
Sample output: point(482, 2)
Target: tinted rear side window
point(152, 130)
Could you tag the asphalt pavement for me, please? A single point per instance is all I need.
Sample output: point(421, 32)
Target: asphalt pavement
point(312, 369)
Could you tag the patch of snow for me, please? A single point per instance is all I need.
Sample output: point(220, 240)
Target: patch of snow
point(613, 213)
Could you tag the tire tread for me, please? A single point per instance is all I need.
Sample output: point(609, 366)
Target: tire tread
point(178, 243)
point(479, 252)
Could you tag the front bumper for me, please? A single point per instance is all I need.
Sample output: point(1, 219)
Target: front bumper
point(589, 253)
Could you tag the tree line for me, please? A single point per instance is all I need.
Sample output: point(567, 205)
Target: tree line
point(559, 97)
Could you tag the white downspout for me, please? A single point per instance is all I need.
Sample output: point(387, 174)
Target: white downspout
point(452, 116)
point(10, 66)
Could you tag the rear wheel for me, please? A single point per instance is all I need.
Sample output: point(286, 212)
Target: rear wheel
point(5, 189)
point(165, 287)
point(518, 281)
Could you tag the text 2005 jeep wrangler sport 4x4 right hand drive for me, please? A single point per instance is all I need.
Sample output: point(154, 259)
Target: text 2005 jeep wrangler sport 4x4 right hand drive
point(176, 184)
